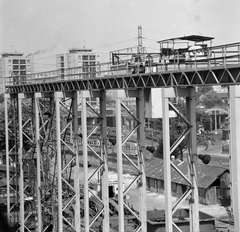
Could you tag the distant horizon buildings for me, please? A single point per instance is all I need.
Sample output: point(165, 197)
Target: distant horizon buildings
point(14, 64)
point(80, 57)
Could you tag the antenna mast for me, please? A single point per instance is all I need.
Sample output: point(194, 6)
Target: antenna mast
point(140, 40)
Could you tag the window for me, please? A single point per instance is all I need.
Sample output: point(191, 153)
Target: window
point(92, 57)
point(28, 61)
point(92, 63)
point(23, 73)
point(22, 67)
point(9, 61)
point(85, 69)
point(15, 67)
point(85, 57)
point(91, 142)
point(85, 63)
point(15, 73)
point(22, 61)
point(79, 57)
point(9, 66)
point(128, 146)
point(15, 61)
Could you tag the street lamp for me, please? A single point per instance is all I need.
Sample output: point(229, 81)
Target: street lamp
point(205, 158)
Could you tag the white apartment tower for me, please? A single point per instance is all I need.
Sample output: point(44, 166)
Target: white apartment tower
point(14, 64)
point(84, 58)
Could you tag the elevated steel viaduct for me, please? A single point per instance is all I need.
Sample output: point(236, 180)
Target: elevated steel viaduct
point(47, 96)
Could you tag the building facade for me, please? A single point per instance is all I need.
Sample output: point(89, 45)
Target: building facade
point(14, 64)
point(87, 61)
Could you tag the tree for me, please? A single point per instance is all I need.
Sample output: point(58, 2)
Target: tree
point(174, 135)
point(110, 97)
point(201, 91)
point(211, 99)
point(203, 119)
point(177, 127)
point(1, 98)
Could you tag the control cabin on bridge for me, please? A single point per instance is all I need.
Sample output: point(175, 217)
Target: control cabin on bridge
point(173, 53)
point(185, 49)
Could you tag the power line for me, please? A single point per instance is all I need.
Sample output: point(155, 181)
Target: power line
point(151, 39)
point(115, 43)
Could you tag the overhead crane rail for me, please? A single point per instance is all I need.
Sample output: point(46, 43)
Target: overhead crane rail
point(217, 65)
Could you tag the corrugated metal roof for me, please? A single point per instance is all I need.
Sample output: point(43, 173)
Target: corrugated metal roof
point(194, 38)
point(206, 174)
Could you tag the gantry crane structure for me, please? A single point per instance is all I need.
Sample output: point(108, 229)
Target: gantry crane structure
point(60, 201)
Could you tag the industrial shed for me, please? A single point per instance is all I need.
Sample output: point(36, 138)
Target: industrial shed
point(213, 182)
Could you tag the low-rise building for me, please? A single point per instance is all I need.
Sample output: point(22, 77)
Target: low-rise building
point(213, 182)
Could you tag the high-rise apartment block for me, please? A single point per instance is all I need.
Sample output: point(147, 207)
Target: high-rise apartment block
point(86, 59)
point(14, 64)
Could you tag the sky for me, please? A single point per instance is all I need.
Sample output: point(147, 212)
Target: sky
point(45, 28)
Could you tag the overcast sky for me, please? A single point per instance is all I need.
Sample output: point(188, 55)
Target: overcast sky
point(47, 27)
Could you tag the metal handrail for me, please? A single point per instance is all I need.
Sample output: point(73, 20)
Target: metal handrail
point(217, 56)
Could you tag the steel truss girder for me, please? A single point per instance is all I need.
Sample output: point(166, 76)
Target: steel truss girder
point(220, 75)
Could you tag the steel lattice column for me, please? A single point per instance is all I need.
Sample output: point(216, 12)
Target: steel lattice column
point(58, 96)
point(103, 132)
point(75, 98)
point(141, 163)
point(119, 163)
point(11, 134)
point(38, 154)
point(6, 99)
point(122, 137)
point(102, 200)
point(85, 161)
point(20, 159)
point(189, 133)
point(235, 151)
point(44, 130)
point(167, 166)
point(192, 160)
point(67, 157)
